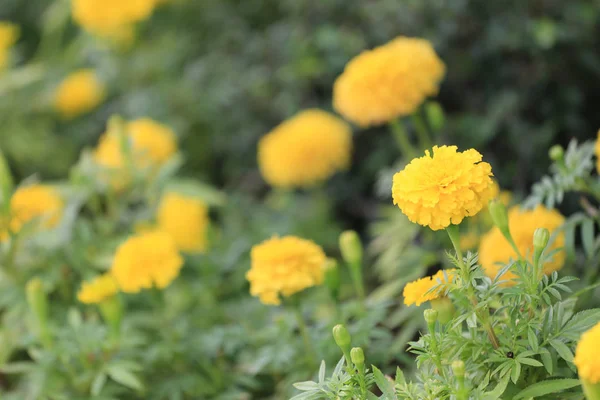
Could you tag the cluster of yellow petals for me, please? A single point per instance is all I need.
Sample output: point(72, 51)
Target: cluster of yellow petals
point(98, 289)
point(78, 94)
point(495, 251)
point(587, 356)
point(284, 266)
point(388, 82)
point(34, 202)
point(442, 189)
point(305, 150)
point(418, 292)
point(146, 260)
point(186, 219)
point(597, 152)
point(111, 18)
point(9, 33)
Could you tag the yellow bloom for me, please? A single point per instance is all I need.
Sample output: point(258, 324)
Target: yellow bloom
point(35, 202)
point(97, 290)
point(186, 220)
point(78, 94)
point(107, 18)
point(597, 151)
point(284, 266)
point(416, 292)
point(469, 240)
point(494, 248)
point(305, 150)
point(9, 33)
point(587, 357)
point(388, 82)
point(442, 189)
point(146, 260)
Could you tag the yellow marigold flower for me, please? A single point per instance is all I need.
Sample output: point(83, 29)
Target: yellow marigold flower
point(597, 151)
point(469, 240)
point(78, 94)
point(587, 357)
point(416, 292)
point(146, 260)
point(35, 202)
point(9, 33)
point(186, 220)
point(106, 18)
point(442, 189)
point(494, 248)
point(305, 150)
point(284, 266)
point(388, 82)
point(98, 289)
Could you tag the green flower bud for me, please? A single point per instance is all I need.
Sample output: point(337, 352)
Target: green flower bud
point(357, 356)
point(458, 367)
point(556, 153)
point(541, 236)
point(499, 215)
point(435, 115)
point(444, 307)
point(351, 247)
point(332, 277)
point(431, 316)
point(342, 337)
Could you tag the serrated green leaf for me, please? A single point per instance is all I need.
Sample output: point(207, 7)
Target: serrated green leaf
point(515, 372)
point(530, 361)
point(546, 387)
point(386, 387)
point(587, 237)
point(547, 361)
point(562, 350)
point(98, 384)
point(124, 377)
point(533, 339)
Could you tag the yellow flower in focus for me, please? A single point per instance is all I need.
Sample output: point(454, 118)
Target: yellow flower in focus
point(78, 94)
point(494, 248)
point(9, 33)
point(146, 260)
point(186, 220)
point(284, 266)
point(388, 82)
point(97, 290)
point(35, 202)
point(305, 150)
point(597, 151)
point(416, 292)
point(587, 357)
point(442, 189)
point(107, 18)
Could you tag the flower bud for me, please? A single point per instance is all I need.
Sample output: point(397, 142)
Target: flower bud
point(556, 153)
point(445, 308)
point(499, 215)
point(342, 337)
point(357, 356)
point(332, 277)
point(458, 368)
point(431, 316)
point(435, 115)
point(541, 236)
point(351, 247)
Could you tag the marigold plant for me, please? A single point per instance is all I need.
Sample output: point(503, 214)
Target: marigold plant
point(186, 219)
point(420, 291)
point(78, 94)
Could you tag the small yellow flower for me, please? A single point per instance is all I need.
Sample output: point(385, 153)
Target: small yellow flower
point(9, 33)
point(284, 266)
point(443, 189)
point(305, 150)
point(587, 357)
point(494, 248)
point(388, 82)
point(186, 220)
point(35, 202)
point(98, 289)
point(78, 94)
point(597, 151)
point(146, 260)
point(107, 18)
point(416, 292)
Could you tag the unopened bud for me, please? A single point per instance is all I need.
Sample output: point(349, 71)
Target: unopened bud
point(499, 216)
point(445, 308)
point(431, 316)
point(556, 152)
point(357, 356)
point(341, 337)
point(458, 367)
point(351, 247)
point(541, 236)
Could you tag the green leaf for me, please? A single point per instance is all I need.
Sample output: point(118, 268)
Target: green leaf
point(562, 349)
point(530, 361)
point(498, 390)
point(98, 384)
point(386, 387)
point(306, 385)
point(515, 372)
point(583, 321)
point(533, 339)
point(546, 387)
point(125, 377)
point(322, 372)
point(587, 237)
point(547, 361)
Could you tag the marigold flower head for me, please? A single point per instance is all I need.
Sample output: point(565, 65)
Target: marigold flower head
point(494, 248)
point(106, 18)
point(305, 150)
point(78, 94)
point(416, 292)
point(146, 260)
point(284, 266)
point(388, 82)
point(186, 219)
point(587, 356)
point(98, 289)
point(35, 202)
point(441, 189)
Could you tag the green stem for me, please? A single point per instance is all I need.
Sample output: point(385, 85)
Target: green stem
point(421, 129)
point(401, 137)
point(357, 280)
point(310, 351)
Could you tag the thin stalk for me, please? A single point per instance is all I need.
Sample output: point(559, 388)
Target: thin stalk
point(401, 136)
point(422, 130)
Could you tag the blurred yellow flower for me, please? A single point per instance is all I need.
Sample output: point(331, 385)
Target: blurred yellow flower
point(9, 33)
point(107, 18)
point(305, 150)
point(388, 82)
point(469, 240)
point(597, 151)
point(443, 189)
point(416, 292)
point(34, 202)
point(146, 260)
point(78, 94)
point(284, 266)
point(98, 289)
point(494, 248)
point(587, 356)
point(186, 220)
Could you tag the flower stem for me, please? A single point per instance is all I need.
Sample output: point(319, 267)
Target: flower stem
point(401, 137)
point(421, 129)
